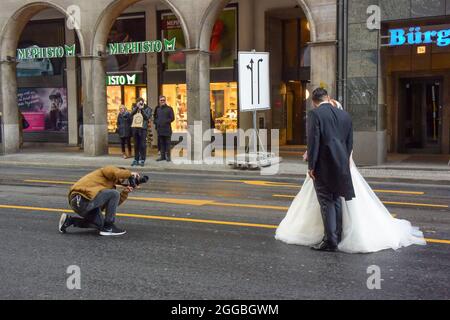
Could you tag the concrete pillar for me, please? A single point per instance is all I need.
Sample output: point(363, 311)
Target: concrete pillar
point(152, 63)
point(72, 96)
point(94, 106)
point(198, 98)
point(323, 66)
point(9, 111)
point(246, 43)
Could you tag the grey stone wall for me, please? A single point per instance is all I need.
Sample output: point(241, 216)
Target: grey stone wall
point(365, 88)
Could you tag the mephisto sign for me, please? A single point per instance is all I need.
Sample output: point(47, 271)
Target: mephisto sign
point(415, 35)
point(157, 46)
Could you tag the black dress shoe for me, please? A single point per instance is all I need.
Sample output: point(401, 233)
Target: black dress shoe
point(160, 159)
point(324, 246)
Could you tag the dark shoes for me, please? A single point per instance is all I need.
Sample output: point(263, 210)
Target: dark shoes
point(161, 159)
point(135, 163)
point(325, 246)
point(111, 230)
point(142, 163)
point(64, 223)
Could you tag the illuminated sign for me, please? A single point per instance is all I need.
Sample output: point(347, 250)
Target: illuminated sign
point(36, 52)
point(123, 79)
point(415, 36)
point(142, 47)
point(421, 50)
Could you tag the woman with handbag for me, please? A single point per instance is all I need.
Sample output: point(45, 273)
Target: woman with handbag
point(124, 131)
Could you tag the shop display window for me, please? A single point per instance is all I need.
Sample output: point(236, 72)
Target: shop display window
point(223, 105)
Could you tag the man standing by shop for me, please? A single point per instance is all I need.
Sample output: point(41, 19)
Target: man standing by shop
point(140, 115)
point(163, 118)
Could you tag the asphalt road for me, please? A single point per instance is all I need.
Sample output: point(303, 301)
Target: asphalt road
point(207, 237)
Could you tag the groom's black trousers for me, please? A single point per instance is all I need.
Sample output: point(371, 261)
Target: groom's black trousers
point(331, 209)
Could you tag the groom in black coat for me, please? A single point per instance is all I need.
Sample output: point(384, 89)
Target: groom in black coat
point(330, 144)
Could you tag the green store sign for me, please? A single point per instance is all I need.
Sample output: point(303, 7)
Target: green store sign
point(124, 79)
point(127, 48)
point(35, 52)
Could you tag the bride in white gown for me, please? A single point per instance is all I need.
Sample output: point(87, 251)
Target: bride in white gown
point(366, 223)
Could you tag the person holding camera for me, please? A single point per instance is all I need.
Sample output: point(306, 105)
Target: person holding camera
point(96, 192)
point(140, 114)
point(163, 118)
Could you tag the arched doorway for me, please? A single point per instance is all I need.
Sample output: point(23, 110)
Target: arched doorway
point(44, 100)
point(132, 75)
point(284, 28)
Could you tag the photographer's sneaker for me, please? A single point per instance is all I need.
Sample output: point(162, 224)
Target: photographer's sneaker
point(64, 223)
point(112, 230)
point(134, 163)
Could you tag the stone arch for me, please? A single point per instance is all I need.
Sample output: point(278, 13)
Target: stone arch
point(110, 14)
point(10, 34)
point(216, 6)
point(9, 39)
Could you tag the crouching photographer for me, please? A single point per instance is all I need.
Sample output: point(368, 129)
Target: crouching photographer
point(96, 192)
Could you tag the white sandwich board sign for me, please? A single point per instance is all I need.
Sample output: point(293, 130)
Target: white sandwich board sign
point(254, 81)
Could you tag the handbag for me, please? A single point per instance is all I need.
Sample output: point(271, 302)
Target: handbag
point(25, 124)
point(138, 121)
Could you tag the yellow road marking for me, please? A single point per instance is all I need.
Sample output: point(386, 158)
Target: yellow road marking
point(163, 218)
point(386, 202)
point(263, 183)
point(50, 181)
point(131, 215)
point(417, 204)
point(213, 203)
point(175, 201)
point(290, 185)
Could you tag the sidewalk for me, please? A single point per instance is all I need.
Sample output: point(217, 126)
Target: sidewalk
point(399, 167)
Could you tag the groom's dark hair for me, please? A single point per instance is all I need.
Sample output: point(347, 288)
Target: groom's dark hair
point(319, 95)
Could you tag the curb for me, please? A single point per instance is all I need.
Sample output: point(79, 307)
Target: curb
point(236, 172)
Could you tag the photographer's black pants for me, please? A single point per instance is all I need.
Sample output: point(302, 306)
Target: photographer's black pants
point(140, 144)
point(90, 211)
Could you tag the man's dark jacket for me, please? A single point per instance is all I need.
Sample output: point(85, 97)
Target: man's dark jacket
point(330, 144)
point(163, 119)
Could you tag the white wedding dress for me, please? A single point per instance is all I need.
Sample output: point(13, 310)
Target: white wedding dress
point(367, 224)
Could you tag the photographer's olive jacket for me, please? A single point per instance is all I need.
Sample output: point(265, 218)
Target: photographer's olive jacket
point(105, 178)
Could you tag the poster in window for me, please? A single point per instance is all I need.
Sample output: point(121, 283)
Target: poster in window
point(45, 109)
point(223, 44)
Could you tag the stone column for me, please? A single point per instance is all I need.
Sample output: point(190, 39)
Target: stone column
point(72, 97)
point(323, 66)
point(94, 106)
point(152, 64)
point(198, 98)
point(9, 109)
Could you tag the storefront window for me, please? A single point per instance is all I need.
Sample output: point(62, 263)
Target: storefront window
point(114, 100)
point(223, 105)
point(125, 73)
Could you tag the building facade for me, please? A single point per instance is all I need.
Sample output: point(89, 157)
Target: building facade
point(200, 78)
point(396, 80)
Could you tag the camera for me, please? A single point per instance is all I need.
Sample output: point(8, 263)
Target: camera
point(136, 181)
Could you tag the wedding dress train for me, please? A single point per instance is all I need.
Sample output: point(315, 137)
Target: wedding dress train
point(367, 224)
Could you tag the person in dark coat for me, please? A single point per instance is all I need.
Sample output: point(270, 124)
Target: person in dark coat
point(124, 130)
point(143, 113)
point(164, 116)
point(330, 144)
